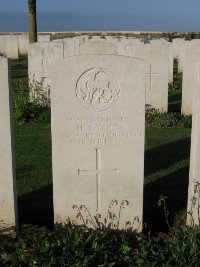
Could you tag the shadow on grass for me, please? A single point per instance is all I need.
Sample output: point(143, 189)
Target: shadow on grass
point(175, 187)
point(174, 102)
point(166, 155)
point(37, 207)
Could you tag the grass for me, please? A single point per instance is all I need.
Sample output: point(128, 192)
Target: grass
point(34, 173)
point(19, 69)
point(166, 168)
point(166, 173)
point(175, 94)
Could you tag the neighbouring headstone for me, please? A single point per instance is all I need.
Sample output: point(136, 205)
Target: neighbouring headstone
point(179, 51)
point(98, 122)
point(39, 58)
point(192, 56)
point(157, 66)
point(9, 45)
point(156, 56)
point(44, 38)
point(23, 42)
point(8, 200)
point(193, 207)
point(170, 55)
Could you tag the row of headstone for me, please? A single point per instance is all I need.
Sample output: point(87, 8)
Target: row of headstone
point(13, 45)
point(98, 122)
point(158, 66)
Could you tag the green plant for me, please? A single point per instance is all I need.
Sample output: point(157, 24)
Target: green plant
point(195, 205)
point(112, 219)
point(155, 118)
point(78, 246)
point(31, 102)
point(176, 85)
point(162, 202)
point(173, 86)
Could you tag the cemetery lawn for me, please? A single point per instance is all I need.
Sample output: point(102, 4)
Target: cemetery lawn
point(166, 172)
point(19, 69)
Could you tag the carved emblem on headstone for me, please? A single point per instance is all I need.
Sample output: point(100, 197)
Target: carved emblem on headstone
point(97, 89)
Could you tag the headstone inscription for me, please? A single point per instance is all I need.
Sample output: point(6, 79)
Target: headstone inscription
point(8, 201)
point(98, 118)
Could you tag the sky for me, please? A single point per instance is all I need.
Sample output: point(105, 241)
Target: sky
point(103, 15)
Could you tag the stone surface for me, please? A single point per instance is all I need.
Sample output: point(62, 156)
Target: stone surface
point(179, 51)
point(157, 74)
point(39, 58)
point(193, 207)
point(23, 42)
point(192, 56)
point(13, 45)
point(101, 47)
point(9, 45)
point(171, 55)
point(156, 56)
point(98, 119)
point(8, 201)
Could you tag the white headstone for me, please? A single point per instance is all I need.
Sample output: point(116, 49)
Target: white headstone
point(179, 51)
point(8, 201)
point(39, 58)
point(171, 55)
point(192, 56)
point(193, 208)
point(157, 74)
point(98, 120)
point(44, 38)
point(23, 42)
point(9, 45)
point(156, 56)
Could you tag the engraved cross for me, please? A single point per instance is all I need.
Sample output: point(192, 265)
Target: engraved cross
point(151, 74)
point(98, 171)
